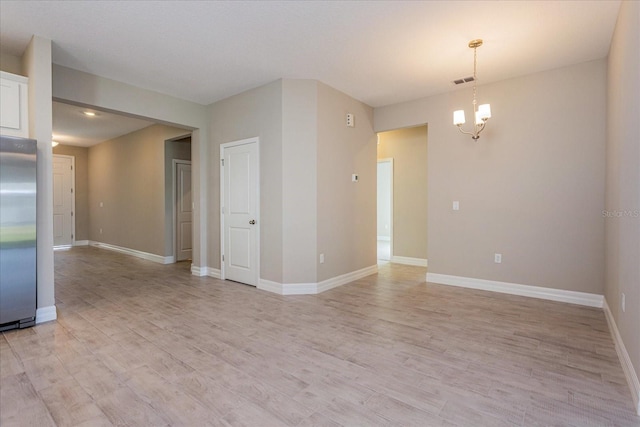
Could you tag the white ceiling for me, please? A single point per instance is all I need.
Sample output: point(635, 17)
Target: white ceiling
point(380, 52)
point(72, 127)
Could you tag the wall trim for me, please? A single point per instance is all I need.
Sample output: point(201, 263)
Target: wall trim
point(198, 271)
point(81, 243)
point(420, 262)
point(213, 272)
point(46, 314)
point(572, 297)
point(133, 252)
point(315, 288)
point(629, 372)
point(205, 271)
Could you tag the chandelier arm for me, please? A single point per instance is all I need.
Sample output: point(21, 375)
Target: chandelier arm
point(466, 132)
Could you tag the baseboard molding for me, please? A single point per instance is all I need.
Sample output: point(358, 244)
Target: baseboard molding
point(205, 271)
point(133, 252)
point(384, 238)
point(46, 314)
point(198, 271)
point(420, 262)
point(580, 298)
point(629, 372)
point(315, 288)
point(213, 272)
point(81, 243)
point(62, 247)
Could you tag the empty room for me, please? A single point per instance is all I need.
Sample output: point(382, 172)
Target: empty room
point(320, 213)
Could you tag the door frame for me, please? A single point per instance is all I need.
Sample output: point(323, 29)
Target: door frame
point(73, 198)
point(174, 198)
point(390, 161)
point(254, 140)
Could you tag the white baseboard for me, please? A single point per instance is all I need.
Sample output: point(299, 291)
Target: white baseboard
point(62, 247)
point(46, 314)
point(81, 243)
point(420, 262)
point(198, 271)
point(133, 252)
point(629, 372)
point(580, 298)
point(315, 288)
point(384, 238)
point(205, 271)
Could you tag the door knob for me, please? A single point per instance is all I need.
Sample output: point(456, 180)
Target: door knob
point(253, 221)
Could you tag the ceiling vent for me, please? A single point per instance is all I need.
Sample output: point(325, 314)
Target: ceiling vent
point(464, 80)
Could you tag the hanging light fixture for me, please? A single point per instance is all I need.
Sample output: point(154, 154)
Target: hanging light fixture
point(481, 113)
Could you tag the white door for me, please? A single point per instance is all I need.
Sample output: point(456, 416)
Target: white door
point(385, 209)
point(240, 207)
point(184, 211)
point(63, 198)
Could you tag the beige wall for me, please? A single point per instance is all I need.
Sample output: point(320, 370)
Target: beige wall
point(307, 155)
point(346, 210)
point(299, 181)
point(77, 87)
point(127, 175)
point(408, 148)
point(10, 63)
point(532, 187)
point(623, 179)
point(254, 113)
point(81, 214)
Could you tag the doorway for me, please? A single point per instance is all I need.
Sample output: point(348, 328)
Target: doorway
point(240, 211)
point(183, 210)
point(63, 201)
point(385, 209)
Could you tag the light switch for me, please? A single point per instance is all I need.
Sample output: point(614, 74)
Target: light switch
point(354, 177)
point(456, 205)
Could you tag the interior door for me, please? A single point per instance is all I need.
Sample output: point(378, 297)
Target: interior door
point(62, 200)
point(240, 200)
point(184, 212)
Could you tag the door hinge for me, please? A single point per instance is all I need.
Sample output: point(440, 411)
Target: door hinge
point(222, 160)
point(71, 167)
point(222, 258)
point(71, 213)
point(223, 210)
point(72, 190)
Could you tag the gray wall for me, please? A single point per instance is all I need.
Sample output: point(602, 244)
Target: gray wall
point(623, 178)
point(127, 175)
point(532, 187)
point(36, 64)
point(408, 148)
point(10, 63)
point(81, 214)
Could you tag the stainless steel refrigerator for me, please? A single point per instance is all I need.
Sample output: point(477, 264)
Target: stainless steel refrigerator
point(17, 232)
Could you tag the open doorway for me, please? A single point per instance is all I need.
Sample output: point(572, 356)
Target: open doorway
point(407, 221)
point(385, 209)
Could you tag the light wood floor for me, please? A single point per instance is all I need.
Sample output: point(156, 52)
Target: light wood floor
point(138, 343)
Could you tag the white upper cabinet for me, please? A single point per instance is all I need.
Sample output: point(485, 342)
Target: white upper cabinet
point(14, 113)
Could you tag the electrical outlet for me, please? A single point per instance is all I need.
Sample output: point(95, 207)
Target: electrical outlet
point(101, 231)
point(497, 258)
point(456, 205)
point(321, 258)
point(622, 302)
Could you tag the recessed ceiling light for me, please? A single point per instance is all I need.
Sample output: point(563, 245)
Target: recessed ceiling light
point(89, 113)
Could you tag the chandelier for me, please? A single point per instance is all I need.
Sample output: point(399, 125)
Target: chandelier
point(481, 113)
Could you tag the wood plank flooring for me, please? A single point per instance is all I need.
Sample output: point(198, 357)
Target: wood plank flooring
point(142, 344)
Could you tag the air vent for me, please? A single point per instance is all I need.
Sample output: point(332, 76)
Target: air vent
point(464, 80)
